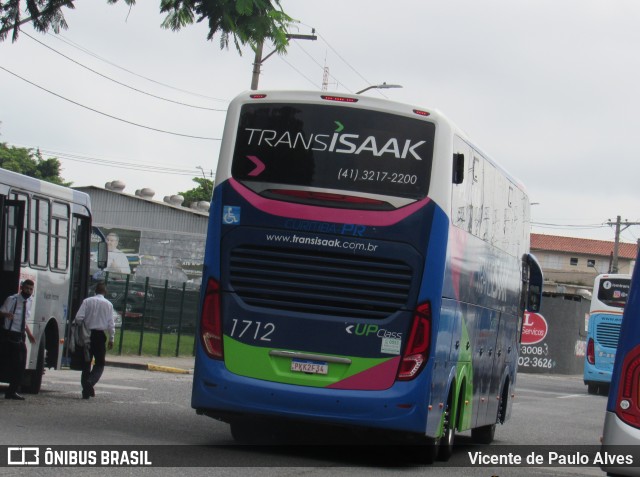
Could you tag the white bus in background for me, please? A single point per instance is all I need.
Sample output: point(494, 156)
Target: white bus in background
point(45, 236)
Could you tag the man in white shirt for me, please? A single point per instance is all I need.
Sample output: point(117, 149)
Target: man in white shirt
point(16, 311)
point(97, 314)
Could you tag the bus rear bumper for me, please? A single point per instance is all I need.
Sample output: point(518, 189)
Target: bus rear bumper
point(223, 395)
point(593, 375)
point(619, 437)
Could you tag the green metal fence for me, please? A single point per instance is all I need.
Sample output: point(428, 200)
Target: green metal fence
point(154, 319)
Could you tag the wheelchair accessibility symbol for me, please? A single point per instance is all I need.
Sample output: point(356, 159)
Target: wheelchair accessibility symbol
point(230, 215)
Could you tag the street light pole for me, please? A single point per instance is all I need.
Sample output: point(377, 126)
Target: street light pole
point(257, 62)
point(379, 86)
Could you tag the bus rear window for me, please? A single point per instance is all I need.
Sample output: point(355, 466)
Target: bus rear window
point(334, 148)
point(614, 291)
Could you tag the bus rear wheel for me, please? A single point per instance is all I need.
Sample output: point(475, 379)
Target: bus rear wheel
point(243, 432)
point(483, 434)
point(445, 450)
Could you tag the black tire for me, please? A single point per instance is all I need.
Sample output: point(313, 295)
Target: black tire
point(252, 432)
point(423, 450)
point(445, 449)
point(483, 434)
point(32, 381)
point(428, 452)
point(592, 388)
point(241, 432)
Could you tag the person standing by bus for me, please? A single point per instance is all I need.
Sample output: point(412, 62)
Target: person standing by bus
point(97, 314)
point(16, 311)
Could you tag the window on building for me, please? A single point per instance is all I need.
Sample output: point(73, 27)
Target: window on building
point(573, 261)
point(591, 263)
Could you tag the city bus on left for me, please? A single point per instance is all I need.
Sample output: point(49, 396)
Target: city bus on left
point(45, 236)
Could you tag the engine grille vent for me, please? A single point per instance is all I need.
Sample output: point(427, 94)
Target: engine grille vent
point(320, 283)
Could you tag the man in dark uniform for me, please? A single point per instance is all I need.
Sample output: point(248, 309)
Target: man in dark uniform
point(16, 311)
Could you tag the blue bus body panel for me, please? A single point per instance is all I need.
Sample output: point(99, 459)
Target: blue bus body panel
point(473, 332)
point(400, 407)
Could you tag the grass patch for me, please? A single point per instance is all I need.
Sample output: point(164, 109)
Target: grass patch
point(151, 343)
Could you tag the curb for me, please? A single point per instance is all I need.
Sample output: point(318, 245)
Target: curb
point(166, 369)
point(148, 367)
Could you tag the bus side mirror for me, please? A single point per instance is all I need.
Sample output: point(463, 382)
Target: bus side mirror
point(534, 286)
point(102, 255)
point(458, 168)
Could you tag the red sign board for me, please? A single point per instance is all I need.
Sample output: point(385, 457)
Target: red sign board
point(534, 328)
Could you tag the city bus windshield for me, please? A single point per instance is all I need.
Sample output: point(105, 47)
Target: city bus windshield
point(334, 147)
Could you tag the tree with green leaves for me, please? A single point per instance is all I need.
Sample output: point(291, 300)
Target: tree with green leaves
point(245, 22)
point(29, 163)
point(201, 193)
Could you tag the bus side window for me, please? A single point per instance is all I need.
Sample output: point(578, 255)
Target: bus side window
point(458, 168)
point(461, 191)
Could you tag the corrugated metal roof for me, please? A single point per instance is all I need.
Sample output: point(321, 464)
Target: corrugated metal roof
point(118, 209)
point(602, 248)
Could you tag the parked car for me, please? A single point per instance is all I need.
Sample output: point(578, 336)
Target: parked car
point(117, 318)
point(136, 308)
point(175, 304)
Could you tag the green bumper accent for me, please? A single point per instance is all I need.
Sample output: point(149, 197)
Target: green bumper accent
point(464, 376)
point(255, 362)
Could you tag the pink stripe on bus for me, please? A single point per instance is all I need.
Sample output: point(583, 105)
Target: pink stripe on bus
point(327, 214)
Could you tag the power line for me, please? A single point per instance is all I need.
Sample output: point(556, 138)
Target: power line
point(119, 82)
point(345, 61)
point(567, 226)
point(119, 164)
point(299, 72)
point(341, 58)
point(109, 115)
point(90, 53)
point(316, 62)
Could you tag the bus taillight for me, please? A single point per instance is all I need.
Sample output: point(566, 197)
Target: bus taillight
point(591, 351)
point(417, 351)
point(211, 323)
point(340, 99)
point(628, 402)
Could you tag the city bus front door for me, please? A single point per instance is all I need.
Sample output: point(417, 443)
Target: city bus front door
point(11, 235)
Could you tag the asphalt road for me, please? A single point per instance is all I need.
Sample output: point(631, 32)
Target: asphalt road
point(142, 408)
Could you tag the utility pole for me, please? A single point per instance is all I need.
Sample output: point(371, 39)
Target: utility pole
point(616, 243)
point(257, 62)
point(256, 66)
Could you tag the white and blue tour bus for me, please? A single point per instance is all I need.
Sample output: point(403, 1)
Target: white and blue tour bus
point(367, 266)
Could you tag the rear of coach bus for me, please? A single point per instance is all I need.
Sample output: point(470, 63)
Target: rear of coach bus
point(322, 227)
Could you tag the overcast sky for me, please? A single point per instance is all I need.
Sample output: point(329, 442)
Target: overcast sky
point(548, 88)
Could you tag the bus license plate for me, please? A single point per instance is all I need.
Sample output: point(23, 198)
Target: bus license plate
point(311, 367)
